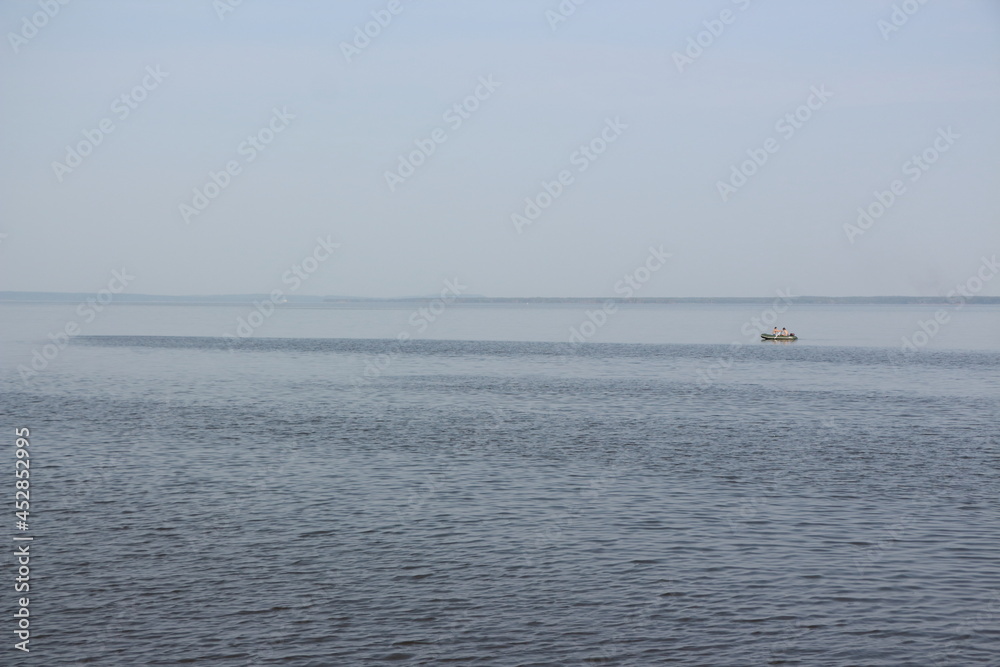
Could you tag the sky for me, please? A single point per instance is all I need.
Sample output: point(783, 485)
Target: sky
point(514, 148)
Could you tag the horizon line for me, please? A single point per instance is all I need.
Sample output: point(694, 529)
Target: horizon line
point(292, 299)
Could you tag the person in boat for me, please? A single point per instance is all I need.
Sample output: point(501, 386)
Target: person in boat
point(784, 331)
point(776, 332)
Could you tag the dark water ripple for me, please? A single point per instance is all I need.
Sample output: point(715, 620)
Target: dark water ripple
point(451, 348)
point(480, 503)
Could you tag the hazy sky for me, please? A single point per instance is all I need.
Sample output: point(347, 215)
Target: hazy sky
point(662, 129)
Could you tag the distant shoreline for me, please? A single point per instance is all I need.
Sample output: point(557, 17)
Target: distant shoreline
point(317, 301)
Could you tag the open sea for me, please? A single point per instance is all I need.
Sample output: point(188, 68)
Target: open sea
point(485, 492)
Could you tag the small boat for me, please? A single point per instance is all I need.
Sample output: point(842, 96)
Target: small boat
point(779, 337)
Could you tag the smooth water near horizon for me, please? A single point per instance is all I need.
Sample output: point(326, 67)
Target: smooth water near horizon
point(673, 492)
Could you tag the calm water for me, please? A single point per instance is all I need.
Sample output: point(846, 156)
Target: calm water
point(672, 492)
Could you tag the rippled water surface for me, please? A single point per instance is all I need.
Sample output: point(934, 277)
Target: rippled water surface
point(316, 500)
